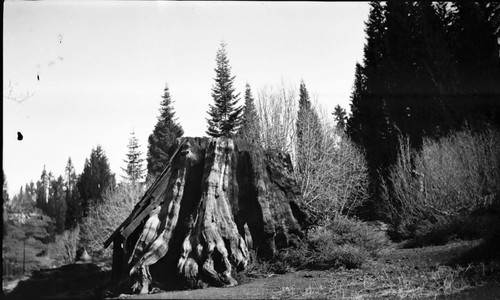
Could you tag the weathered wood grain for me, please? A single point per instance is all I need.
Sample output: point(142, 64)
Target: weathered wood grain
point(220, 199)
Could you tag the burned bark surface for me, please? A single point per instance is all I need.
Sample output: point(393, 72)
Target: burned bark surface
point(222, 199)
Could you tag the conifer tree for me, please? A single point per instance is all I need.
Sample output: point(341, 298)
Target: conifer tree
point(42, 189)
point(354, 125)
point(70, 176)
point(73, 205)
point(370, 124)
point(428, 68)
point(309, 134)
point(164, 134)
point(370, 115)
point(476, 51)
point(340, 116)
point(250, 128)
point(224, 114)
point(134, 169)
point(95, 179)
point(23, 202)
point(57, 204)
point(17, 201)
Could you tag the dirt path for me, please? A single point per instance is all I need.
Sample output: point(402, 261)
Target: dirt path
point(261, 288)
point(397, 273)
point(414, 273)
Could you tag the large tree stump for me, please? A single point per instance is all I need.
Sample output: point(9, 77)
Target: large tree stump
point(222, 199)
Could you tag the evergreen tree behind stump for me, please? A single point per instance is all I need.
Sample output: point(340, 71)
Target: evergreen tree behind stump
point(134, 169)
point(250, 127)
point(216, 201)
point(166, 130)
point(309, 133)
point(225, 115)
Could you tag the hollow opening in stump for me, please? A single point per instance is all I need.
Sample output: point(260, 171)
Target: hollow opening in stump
point(217, 200)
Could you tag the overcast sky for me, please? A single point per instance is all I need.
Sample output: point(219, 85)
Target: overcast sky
point(95, 71)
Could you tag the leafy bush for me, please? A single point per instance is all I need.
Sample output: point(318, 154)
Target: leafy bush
point(103, 219)
point(440, 187)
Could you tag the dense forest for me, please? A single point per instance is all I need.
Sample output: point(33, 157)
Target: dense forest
point(429, 68)
point(419, 149)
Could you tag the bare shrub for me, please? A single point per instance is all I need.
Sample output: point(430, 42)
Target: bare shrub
point(462, 169)
point(103, 219)
point(349, 231)
point(277, 111)
point(334, 179)
point(65, 246)
point(451, 178)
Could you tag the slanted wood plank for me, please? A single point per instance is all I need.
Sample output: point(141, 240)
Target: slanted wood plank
point(137, 209)
point(155, 201)
point(151, 193)
point(157, 191)
point(117, 230)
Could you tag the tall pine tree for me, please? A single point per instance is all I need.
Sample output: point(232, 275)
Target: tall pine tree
point(166, 130)
point(224, 115)
point(134, 169)
point(250, 128)
point(354, 126)
point(42, 190)
point(309, 134)
point(369, 123)
point(369, 117)
point(70, 176)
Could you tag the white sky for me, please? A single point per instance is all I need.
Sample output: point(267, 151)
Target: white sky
point(103, 66)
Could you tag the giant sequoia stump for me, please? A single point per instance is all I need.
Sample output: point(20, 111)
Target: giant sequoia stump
point(217, 200)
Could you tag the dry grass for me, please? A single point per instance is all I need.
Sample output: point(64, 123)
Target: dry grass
point(391, 283)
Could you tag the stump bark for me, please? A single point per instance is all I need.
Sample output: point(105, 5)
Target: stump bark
point(219, 200)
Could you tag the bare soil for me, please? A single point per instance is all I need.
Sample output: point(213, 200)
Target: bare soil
point(427, 272)
point(395, 273)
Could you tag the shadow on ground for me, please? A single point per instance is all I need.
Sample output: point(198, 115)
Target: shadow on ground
point(75, 281)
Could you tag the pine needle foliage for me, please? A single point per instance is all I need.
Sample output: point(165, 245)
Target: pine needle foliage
point(134, 170)
point(250, 128)
point(166, 130)
point(225, 114)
